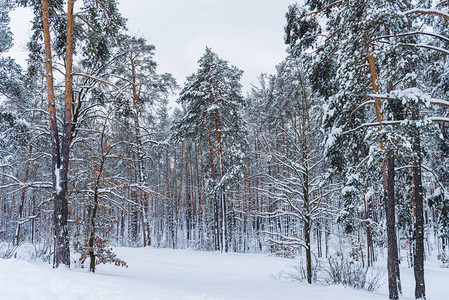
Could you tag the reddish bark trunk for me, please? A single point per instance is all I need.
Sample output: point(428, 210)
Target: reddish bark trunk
point(60, 155)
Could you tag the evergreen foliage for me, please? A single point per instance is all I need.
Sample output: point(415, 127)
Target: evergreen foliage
point(347, 140)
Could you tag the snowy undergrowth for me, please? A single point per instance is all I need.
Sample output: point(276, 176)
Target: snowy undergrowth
point(23, 251)
point(187, 274)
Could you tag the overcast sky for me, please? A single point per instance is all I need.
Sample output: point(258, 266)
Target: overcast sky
point(247, 33)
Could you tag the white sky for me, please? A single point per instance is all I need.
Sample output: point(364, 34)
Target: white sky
point(247, 33)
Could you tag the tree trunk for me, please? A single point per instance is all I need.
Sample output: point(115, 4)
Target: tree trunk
point(307, 230)
point(388, 178)
point(141, 197)
point(22, 205)
point(224, 229)
point(418, 258)
point(59, 164)
point(92, 232)
point(392, 261)
point(369, 240)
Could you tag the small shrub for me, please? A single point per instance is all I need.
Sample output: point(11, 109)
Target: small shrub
point(348, 271)
point(300, 273)
point(284, 251)
point(444, 259)
point(103, 253)
point(7, 250)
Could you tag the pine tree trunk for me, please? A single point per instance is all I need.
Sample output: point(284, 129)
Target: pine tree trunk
point(22, 205)
point(224, 228)
point(60, 159)
point(134, 218)
point(188, 200)
point(172, 214)
point(369, 240)
point(392, 261)
point(418, 258)
point(141, 198)
point(388, 178)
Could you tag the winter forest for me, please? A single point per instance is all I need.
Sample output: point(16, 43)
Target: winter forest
point(338, 163)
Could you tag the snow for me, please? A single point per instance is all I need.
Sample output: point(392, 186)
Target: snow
point(187, 274)
point(333, 135)
point(58, 179)
point(348, 190)
point(437, 12)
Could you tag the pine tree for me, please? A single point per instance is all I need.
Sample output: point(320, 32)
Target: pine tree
point(213, 106)
point(47, 20)
point(298, 188)
point(11, 78)
point(362, 69)
point(143, 89)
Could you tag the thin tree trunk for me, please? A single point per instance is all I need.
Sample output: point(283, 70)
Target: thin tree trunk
point(388, 178)
point(392, 263)
point(172, 213)
point(215, 197)
point(92, 232)
point(418, 258)
point(188, 200)
point(307, 231)
point(141, 197)
point(306, 197)
point(369, 239)
point(22, 205)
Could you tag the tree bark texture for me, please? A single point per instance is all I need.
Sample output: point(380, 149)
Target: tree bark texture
point(418, 258)
point(392, 260)
point(59, 163)
point(388, 178)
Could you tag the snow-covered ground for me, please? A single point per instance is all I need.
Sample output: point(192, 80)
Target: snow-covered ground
point(186, 274)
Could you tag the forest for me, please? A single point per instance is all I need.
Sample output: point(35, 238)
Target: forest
point(337, 159)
